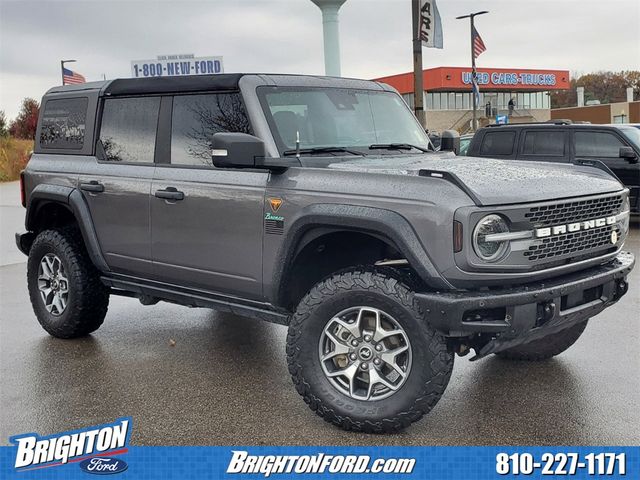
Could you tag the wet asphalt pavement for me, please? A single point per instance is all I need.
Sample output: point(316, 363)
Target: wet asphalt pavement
point(225, 380)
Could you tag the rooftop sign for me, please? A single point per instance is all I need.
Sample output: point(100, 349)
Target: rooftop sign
point(176, 66)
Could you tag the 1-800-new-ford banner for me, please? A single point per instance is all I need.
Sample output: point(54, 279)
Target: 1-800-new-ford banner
point(176, 66)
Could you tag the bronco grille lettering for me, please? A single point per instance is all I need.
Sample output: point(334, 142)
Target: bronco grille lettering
point(574, 227)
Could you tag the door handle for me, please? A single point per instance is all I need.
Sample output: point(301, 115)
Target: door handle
point(92, 186)
point(170, 193)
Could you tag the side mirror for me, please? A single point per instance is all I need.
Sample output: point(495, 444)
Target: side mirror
point(628, 154)
point(450, 141)
point(236, 150)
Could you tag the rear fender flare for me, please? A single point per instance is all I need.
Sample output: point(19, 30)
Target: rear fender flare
point(71, 198)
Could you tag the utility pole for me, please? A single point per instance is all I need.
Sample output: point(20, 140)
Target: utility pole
point(471, 16)
point(418, 87)
point(62, 62)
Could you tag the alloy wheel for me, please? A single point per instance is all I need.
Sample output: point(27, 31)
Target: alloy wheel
point(53, 284)
point(365, 353)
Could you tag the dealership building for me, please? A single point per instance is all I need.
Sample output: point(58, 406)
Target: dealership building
point(448, 97)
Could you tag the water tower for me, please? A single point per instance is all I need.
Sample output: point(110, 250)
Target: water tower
point(331, 34)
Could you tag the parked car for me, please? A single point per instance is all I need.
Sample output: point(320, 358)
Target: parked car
point(617, 146)
point(314, 203)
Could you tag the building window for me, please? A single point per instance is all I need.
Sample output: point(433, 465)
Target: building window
point(459, 100)
point(436, 101)
point(63, 123)
point(444, 101)
point(128, 130)
point(429, 102)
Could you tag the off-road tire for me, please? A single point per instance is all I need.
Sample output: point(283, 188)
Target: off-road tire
point(546, 347)
point(431, 364)
point(88, 298)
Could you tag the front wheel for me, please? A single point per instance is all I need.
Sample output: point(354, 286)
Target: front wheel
point(362, 355)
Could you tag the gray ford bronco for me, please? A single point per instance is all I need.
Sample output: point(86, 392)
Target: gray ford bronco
point(316, 203)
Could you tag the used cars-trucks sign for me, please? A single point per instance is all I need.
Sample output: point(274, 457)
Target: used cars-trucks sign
point(175, 66)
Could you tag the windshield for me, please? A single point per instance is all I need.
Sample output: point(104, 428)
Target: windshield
point(632, 134)
point(339, 117)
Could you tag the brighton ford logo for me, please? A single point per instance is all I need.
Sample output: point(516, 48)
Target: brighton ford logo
point(103, 466)
point(92, 446)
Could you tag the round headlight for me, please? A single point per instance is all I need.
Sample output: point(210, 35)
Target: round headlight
point(490, 250)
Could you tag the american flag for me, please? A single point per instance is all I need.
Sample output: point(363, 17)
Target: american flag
point(69, 77)
point(478, 44)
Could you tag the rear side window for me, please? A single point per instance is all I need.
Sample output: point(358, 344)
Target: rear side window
point(128, 130)
point(63, 123)
point(597, 144)
point(544, 143)
point(196, 118)
point(498, 143)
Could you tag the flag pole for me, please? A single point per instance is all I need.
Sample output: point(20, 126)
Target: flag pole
point(474, 84)
point(474, 80)
point(62, 62)
point(418, 88)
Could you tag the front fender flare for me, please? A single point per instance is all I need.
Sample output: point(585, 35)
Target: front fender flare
point(380, 222)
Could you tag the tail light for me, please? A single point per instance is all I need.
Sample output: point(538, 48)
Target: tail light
point(23, 190)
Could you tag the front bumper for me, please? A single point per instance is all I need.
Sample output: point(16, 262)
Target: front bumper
point(516, 315)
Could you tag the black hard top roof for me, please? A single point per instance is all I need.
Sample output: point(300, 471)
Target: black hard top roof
point(191, 83)
point(198, 83)
point(133, 86)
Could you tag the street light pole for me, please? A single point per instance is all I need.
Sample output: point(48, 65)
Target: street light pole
point(62, 62)
point(471, 17)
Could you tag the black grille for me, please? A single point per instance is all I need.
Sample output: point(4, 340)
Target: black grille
point(576, 211)
point(571, 243)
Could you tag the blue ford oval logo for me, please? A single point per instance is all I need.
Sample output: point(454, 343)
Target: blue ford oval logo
point(103, 465)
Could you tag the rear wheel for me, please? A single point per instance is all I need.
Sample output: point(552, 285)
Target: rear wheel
point(362, 355)
point(66, 293)
point(546, 347)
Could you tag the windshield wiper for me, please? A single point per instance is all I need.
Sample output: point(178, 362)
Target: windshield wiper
point(396, 146)
point(315, 150)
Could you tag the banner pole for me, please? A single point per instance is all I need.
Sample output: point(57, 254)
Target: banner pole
point(474, 80)
point(418, 89)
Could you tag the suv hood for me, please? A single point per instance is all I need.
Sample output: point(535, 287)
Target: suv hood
point(494, 182)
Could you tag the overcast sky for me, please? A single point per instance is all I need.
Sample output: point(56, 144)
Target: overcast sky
point(286, 36)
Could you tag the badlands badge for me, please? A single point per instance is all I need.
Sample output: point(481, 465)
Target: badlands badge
point(94, 447)
point(275, 203)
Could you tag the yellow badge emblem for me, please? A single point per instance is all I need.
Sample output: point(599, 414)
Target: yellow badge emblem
point(275, 203)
